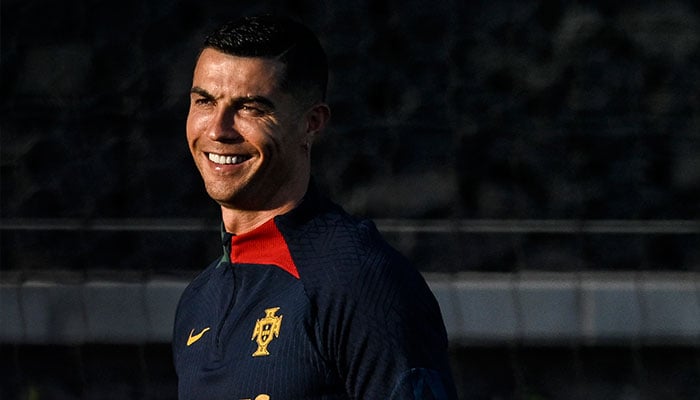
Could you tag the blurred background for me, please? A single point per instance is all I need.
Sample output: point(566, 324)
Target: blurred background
point(539, 161)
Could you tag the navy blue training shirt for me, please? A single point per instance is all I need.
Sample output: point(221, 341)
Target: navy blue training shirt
point(313, 304)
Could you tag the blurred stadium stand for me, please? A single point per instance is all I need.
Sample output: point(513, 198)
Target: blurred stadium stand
point(539, 162)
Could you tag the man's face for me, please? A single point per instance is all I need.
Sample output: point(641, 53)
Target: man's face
point(248, 137)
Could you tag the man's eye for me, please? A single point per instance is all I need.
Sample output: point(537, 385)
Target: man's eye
point(203, 101)
point(252, 110)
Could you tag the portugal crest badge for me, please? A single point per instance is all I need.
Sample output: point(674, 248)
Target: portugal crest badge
point(266, 329)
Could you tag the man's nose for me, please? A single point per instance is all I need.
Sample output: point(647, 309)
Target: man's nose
point(223, 126)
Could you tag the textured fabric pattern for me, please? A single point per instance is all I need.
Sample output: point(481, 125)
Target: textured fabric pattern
point(356, 323)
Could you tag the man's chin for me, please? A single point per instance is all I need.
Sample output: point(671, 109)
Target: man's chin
point(236, 201)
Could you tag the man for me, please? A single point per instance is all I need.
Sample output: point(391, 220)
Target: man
point(307, 301)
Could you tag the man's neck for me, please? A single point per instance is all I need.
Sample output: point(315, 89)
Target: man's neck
point(242, 221)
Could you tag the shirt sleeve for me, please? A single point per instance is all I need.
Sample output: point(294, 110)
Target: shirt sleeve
point(389, 338)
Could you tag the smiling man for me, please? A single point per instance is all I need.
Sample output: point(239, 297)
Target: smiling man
point(307, 301)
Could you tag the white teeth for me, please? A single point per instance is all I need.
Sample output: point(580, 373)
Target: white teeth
point(221, 159)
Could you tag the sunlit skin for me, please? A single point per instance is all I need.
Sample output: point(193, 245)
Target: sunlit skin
point(239, 110)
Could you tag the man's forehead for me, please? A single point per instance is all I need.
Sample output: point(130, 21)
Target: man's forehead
point(216, 70)
point(211, 57)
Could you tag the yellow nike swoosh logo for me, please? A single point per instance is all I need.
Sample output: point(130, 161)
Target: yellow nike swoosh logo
point(194, 338)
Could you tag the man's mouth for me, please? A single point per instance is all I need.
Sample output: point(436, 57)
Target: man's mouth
point(227, 160)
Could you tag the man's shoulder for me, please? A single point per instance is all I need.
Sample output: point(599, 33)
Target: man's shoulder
point(339, 238)
point(201, 278)
point(350, 264)
point(341, 249)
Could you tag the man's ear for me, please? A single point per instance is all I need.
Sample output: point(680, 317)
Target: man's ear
point(317, 118)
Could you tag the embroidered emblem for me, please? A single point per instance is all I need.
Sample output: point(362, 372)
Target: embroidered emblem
point(194, 338)
point(265, 330)
point(260, 397)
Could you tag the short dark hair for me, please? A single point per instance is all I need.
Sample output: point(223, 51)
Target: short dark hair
point(280, 38)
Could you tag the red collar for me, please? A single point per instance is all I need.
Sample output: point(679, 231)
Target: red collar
point(263, 245)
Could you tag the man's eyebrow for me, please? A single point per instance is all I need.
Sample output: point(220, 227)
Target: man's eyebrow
point(198, 90)
point(238, 100)
point(255, 99)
